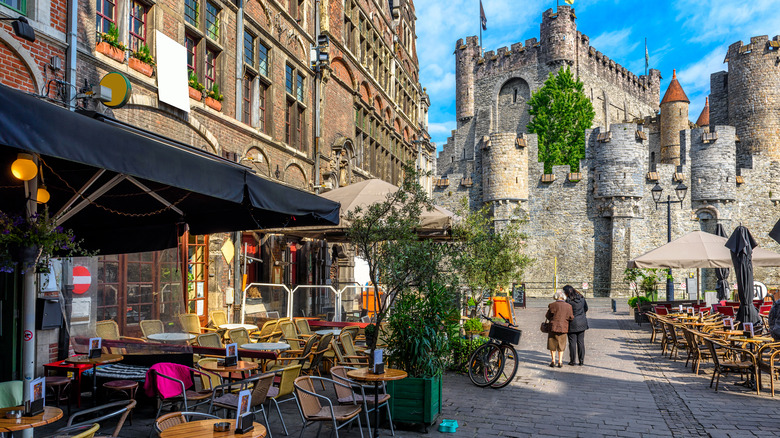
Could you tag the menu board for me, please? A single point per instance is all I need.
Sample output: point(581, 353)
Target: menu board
point(518, 294)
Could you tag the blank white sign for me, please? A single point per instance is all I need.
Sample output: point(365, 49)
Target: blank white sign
point(172, 72)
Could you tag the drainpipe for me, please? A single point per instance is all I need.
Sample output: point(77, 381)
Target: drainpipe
point(317, 80)
point(239, 60)
point(72, 40)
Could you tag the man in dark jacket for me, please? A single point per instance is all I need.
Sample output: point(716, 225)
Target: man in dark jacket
point(578, 325)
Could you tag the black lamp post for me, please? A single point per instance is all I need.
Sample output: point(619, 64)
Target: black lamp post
point(680, 191)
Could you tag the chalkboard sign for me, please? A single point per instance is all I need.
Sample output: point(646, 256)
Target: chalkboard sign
point(518, 294)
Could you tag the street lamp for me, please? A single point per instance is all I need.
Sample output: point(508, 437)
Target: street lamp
point(680, 191)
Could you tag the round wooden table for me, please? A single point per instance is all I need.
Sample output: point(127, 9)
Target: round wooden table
point(241, 367)
point(95, 361)
point(50, 414)
point(172, 338)
point(205, 428)
point(363, 374)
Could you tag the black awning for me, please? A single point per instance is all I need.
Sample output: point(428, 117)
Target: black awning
point(151, 185)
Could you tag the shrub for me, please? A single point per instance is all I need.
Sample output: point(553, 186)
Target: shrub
point(473, 325)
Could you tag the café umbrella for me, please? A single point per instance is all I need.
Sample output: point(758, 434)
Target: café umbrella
point(741, 244)
point(722, 274)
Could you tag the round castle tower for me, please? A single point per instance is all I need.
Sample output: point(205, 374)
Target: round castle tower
point(466, 54)
point(674, 118)
point(754, 95)
point(713, 174)
point(504, 168)
point(615, 161)
point(558, 35)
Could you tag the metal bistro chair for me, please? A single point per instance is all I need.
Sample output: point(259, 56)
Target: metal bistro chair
point(238, 336)
point(190, 323)
point(173, 418)
point(285, 391)
point(317, 408)
point(85, 430)
point(225, 396)
point(151, 327)
point(120, 409)
point(109, 330)
point(212, 340)
point(188, 391)
point(304, 330)
point(355, 393)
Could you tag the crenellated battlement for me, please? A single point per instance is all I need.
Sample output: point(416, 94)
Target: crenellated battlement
point(758, 46)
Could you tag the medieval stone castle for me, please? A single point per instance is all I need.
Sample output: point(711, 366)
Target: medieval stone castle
point(583, 227)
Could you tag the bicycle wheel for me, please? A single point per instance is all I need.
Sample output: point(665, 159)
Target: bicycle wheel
point(509, 368)
point(485, 364)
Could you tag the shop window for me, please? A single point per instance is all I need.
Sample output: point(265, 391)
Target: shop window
point(262, 59)
point(17, 5)
point(137, 25)
point(104, 15)
point(212, 21)
point(197, 275)
point(191, 12)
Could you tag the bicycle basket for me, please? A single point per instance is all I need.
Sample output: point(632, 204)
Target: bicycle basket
point(505, 333)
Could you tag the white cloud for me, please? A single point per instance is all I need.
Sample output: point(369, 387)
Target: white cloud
point(722, 21)
point(614, 43)
point(695, 78)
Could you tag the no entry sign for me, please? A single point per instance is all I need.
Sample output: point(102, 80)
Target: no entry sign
point(82, 279)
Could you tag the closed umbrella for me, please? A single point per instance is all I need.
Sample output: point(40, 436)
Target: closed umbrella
point(722, 274)
point(741, 244)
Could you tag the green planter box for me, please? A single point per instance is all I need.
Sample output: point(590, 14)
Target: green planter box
point(415, 400)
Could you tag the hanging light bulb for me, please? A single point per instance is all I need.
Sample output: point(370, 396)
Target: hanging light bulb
point(24, 167)
point(43, 195)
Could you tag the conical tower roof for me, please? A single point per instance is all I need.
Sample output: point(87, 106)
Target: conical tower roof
point(675, 92)
point(704, 117)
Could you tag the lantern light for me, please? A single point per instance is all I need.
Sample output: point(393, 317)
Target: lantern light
point(24, 167)
point(43, 195)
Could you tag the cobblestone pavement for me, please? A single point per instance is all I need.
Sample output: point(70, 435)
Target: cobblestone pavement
point(625, 389)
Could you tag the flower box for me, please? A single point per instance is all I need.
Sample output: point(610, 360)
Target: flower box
point(195, 94)
point(112, 52)
point(415, 400)
point(213, 103)
point(140, 66)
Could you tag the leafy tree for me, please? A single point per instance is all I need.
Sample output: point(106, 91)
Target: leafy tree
point(561, 114)
point(486, 258)
point(645, 280)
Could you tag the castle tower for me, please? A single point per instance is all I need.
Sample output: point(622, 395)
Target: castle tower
point(754, 97)
point(504, 168)
point(704, 117)
point(615, 162)
point(558, 37)
point(713, 174)
point(674, 118)
point(466, 55)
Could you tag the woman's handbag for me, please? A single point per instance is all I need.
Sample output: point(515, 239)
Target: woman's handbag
point(546, 327)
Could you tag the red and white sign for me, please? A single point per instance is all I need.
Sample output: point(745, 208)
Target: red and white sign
point(28, 335)
point(82, 279)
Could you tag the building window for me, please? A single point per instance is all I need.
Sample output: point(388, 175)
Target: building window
point(262, 58)
point(18, 5)
point(191, 45)
point(137, 25)
point(296, 9)
point(299, 132)
point(299, 87)
point(262, 89)
point(249, 49)
point(288, 113)
point(211, 68)
point(289, 84)
point(104, 15)
point(212, 21)
point(191, 10)
point(246, 115)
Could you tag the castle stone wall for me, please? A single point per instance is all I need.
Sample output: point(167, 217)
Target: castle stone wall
point(713, 174)
point(618, 161)
point(505, 169)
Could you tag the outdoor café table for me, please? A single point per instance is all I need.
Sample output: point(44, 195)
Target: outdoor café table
point(242, 367)
point(324, 332)
point(726, 333)
point(248, 327)
point(363, 374)
point(205, 428)
point(50, 414)
point(95, 361)
point(266, 346)
point(172, 338)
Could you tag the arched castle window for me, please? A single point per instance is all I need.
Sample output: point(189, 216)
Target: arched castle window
point(511, 111)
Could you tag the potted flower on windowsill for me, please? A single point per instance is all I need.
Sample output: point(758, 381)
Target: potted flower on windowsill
point(214, 98)
point(196, 88)
point(110, 45)
point(27, 243)
point(142, 61)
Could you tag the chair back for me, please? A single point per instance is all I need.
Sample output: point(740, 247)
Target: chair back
point(218, 317)
point(661, 310)
point(764, 309)
point(353, 331)
point(209, 379)
point(287, 379)
point(120, 409)
point(711, 347)
point(272, 314)
point(366, 319)
point(289, 334)
point(323, 345)
point(173, 418)
point(347, 345)
point(238, 336)
point(303, 327)
point(190, 323)
point(726, 310)
point(339, 374)
point(304, 389)
point(210, 340)
point(151, 327)
point(267, 331)
point(107, 329)
point(86, 430)
point(260, 390)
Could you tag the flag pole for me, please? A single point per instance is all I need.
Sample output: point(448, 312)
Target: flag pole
point(646, 57)
point(480, 28)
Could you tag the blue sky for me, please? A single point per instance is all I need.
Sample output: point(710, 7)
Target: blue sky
point(691, 36)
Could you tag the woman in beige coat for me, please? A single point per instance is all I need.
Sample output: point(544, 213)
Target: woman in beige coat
point(559, 313)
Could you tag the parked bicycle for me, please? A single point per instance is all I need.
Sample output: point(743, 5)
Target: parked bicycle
point(494, 363)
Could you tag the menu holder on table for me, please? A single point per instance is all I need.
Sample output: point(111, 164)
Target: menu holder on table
point(37, 398)
point(748, 329)
point(231, 355)
point(244, 418)
point(689, 310)
point(378, 365)
point(729, 323)
point(95, 347)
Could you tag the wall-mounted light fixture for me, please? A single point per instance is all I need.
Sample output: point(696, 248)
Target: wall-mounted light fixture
point(278, 172)
point(22, 28)
point(24, 167)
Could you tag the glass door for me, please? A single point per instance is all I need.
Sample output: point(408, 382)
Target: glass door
point(197, 276)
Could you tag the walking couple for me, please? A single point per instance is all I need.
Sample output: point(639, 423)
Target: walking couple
point(567, 320)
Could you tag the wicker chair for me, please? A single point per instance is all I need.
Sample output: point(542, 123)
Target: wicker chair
point(317, 408)
point(188, 394)
point(269, 332)
point(743, 362)
point(173, 418)
point(304, 330)
point(675, 340)
point(151, 327)
point(212, 340)
point(109, 330)
point(355, 393)
point(290, 335)
point(342, 358)
point(225, 396)
point(218, 317)
point(294, 357)
point(285, 391)
point(86, 430)
point(238, 336)
point(768, 357)
point(190, 323)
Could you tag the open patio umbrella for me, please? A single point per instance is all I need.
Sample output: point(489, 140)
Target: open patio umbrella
point(698, 249)
point(741, 244)
point(434, 223)
point(722, 274)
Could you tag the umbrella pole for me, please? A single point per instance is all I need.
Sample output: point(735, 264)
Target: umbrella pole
point(698, 285)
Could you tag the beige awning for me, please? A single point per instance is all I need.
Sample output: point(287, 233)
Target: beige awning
point(698, 249)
